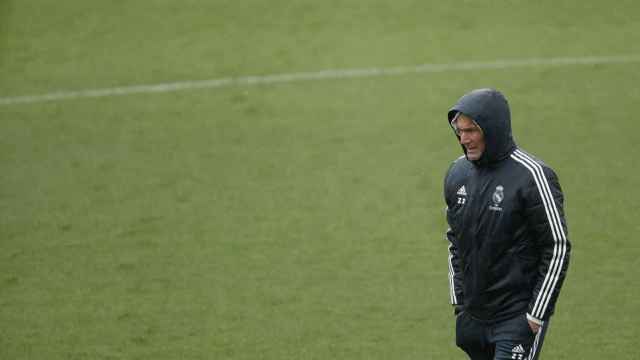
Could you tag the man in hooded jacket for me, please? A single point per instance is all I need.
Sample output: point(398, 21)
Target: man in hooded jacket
point(508, 245)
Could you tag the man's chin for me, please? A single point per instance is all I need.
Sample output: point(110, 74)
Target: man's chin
point(473, 157)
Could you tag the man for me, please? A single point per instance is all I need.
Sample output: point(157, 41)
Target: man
point(508, 251)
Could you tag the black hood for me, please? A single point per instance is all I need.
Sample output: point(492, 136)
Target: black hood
point(490, 110)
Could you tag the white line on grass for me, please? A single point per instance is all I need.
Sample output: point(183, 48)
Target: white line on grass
point(317, 75)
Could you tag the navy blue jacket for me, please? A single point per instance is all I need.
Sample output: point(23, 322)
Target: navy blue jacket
point(509, 250)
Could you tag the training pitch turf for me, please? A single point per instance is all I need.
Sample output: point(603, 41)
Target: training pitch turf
point(295, 220)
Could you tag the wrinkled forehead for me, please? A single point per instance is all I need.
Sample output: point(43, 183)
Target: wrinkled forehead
point(461, 121)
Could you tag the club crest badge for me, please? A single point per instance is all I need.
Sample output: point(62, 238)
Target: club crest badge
point(498, 195)
point(497, 198)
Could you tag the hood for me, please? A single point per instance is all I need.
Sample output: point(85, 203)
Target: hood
point(490, 110)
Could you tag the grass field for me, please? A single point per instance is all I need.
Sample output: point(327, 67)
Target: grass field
point(299, 220)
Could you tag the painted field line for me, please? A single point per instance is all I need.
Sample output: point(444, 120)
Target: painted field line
point(317, 75)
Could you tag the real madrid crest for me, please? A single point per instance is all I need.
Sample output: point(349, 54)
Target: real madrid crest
point(497, 198)
point(498, 195)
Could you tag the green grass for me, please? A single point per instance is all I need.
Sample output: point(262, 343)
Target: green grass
point(301, 220)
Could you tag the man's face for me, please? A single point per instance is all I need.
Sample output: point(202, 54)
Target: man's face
point(471, 136)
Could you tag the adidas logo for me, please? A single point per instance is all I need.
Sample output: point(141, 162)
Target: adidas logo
point(462, 191)
point(518, 349)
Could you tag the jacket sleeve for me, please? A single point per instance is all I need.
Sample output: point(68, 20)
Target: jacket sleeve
point(455, 267)
point(455, 273)
point(546, 221)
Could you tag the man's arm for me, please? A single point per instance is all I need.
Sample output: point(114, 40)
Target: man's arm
point(456, 171)
point(455, 273)
point(546, 220)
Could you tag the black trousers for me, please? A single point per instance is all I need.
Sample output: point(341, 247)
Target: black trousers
point(504, 340)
